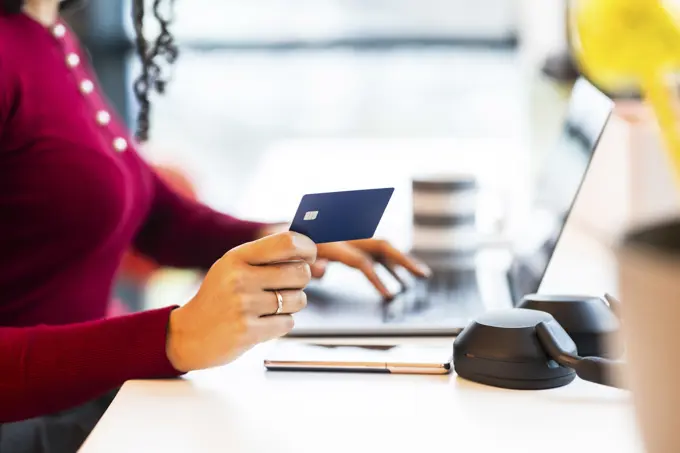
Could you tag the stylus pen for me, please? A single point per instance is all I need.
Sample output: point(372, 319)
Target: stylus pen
point(366, 367)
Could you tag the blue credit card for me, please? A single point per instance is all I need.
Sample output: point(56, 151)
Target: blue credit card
point(341, 216)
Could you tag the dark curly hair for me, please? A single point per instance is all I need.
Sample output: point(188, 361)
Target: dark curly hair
point(163, 48)
point(152, 77)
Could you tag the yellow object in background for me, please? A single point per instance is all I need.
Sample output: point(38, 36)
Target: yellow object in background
point(632, 43)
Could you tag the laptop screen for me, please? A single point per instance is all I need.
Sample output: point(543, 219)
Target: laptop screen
point(445, 303)
point(557, 182)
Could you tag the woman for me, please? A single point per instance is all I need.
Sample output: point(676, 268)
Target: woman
point(74, 195)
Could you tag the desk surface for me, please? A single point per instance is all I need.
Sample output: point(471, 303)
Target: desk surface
point(244, 408)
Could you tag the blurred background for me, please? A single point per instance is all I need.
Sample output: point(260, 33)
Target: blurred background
point(298, 87)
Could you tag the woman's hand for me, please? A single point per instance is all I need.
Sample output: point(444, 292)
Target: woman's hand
point(364, 255)
point(234, 308)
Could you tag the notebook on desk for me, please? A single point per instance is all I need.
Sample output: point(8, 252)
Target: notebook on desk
point(344, 304)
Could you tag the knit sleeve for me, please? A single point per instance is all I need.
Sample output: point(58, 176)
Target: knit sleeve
point(6, 94)
point(180, 232)
point(46, 369)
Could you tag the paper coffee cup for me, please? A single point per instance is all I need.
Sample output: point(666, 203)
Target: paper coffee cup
point(445, 231)
point(649, 271)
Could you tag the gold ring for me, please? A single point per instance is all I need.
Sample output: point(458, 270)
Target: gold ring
point(279, 301)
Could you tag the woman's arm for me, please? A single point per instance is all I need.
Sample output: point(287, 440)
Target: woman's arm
point(6, 94)
point(46, 369)
point(180, 232)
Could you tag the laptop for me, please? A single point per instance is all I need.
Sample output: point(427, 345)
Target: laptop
point(343, 303)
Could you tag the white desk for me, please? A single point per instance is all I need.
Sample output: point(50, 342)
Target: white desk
point(242, 408)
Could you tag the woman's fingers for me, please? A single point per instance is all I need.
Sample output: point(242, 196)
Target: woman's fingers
point(392, 269)
point(276, 248)
point(267, 302)
point(351, 256)
point(271, 327)
point(384, 251)
point(295, 275)
point(319, 268)
point(396, 257)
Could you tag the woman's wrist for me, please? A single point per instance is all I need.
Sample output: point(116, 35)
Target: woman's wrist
point(176, 340)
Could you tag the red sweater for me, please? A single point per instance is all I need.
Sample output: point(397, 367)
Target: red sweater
point(74, 195)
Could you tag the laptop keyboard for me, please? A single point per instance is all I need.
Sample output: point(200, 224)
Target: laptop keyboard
point(445, 296)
